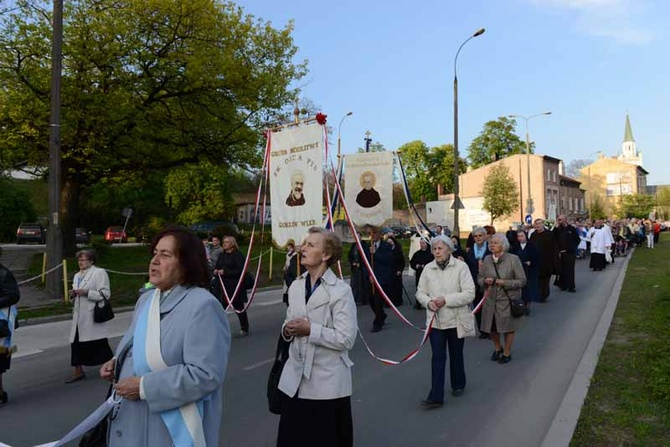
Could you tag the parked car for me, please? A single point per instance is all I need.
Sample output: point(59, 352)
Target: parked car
point(403, 232)
point(31, 232)
point(208, 227)
point(115, 234)
point(82, 235)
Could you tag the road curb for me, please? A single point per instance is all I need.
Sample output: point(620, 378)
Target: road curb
point(563, 426)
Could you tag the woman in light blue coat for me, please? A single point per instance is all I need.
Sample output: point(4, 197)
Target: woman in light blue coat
point(171, 362)
point(322, 327)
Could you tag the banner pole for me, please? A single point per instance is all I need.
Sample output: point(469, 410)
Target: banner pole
point(66, 295)
point(44, 267)
point(270, 269)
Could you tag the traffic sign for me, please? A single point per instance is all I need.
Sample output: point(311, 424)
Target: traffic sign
point(529, 219)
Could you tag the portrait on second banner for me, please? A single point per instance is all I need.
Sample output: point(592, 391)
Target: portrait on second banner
point(369, 187)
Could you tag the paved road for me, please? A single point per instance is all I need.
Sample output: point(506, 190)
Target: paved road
point(504, 405)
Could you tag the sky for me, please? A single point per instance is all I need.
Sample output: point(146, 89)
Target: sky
point(391, 63)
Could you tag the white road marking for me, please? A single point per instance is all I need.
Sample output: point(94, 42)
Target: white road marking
point(258, 365)
point(269, 303)
point(26, 353)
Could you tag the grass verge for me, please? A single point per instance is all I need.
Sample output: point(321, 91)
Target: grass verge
point(628, 403)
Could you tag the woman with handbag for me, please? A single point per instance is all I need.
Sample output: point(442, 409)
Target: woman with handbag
point(503, 275)
point(88, 339)
point(171, 362)
point(446, 290)
point(321, 327)
point(9, 296)
point(229, 267)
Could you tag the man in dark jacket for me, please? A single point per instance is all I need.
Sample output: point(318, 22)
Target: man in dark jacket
point(567, 240)
point(230, 266)
point(380, 256)
point(545, 242)
point(360, 279)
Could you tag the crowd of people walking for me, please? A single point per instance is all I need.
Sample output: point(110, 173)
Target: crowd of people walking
point(169, 367)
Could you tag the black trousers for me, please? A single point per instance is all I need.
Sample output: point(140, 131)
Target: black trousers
point(567, 275)
point(377, 305)
point(238, 304)
point(544, 288)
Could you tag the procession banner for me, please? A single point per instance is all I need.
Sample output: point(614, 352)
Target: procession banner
point(296, 185)
point(369, 187)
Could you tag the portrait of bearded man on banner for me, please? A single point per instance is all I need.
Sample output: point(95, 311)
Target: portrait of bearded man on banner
point(368, 197)
point(296, 196)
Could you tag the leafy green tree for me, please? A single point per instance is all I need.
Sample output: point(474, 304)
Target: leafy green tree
point(636, 205)
point(15, 208)
point(426, 168)
point(497, 140)
point(199, 192)
point(663, 202)
point(597, 208)
point(501, 196)
point(147, 86)
point(374, 147)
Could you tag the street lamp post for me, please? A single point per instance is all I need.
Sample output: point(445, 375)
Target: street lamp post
point(339, 155)
point(530, 209)
point(457, 203)
point(339, 130)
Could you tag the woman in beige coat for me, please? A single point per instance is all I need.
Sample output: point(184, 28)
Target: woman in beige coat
point(502, 273)
point(88, 339)
point(321, 326)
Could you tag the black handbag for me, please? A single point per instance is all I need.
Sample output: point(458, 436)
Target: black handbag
point(4, 329)
point(516, 305)
point(97, 436)
point(275, 396)
point(102, 313)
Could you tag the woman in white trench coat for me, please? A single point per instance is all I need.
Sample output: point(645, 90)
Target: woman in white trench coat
point(88, 339)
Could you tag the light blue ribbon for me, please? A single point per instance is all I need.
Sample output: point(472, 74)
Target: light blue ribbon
point(173, 420)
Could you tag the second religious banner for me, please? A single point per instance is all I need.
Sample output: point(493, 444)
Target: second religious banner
point(369, 187)
point(296, 185)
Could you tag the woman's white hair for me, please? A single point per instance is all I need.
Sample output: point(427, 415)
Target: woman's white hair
point(503, 240)
point(444, 239)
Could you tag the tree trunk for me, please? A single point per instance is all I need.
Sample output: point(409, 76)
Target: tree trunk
point(70, 198)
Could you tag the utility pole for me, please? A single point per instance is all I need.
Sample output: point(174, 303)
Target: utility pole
point(54, 234)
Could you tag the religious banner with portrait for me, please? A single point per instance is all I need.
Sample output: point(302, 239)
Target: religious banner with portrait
point(296, 182)
point(368, 188)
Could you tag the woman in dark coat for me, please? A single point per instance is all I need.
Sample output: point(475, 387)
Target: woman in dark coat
point(360, 278)
point(398, 267)
point(230, 266)
point(503, 274)
point(530, 259)
point(474, 258)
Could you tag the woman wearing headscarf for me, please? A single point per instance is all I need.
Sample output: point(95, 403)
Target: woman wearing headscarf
point(446, 290)
point(88, 340)
point(171, 362)
point(9, 296)
point(474, 258)
point(530, 260)
point(321, 327)
point(503, 274)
